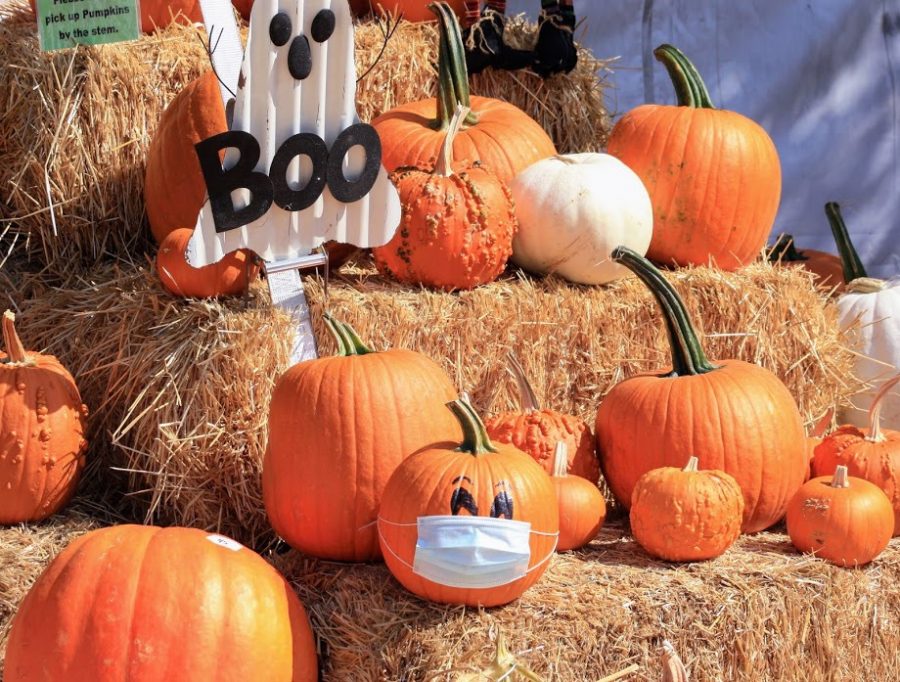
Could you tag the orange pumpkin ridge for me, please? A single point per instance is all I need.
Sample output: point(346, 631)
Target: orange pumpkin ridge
point(582, 509)
point(713, 175)
point(537, 431)
point(42, 427)
point(231, 276)
point(737, 417)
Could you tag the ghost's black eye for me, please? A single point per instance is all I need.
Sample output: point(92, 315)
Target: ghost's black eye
point(280, 29)
point(322, 26)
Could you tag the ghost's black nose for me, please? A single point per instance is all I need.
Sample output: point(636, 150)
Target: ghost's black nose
point(299, 58)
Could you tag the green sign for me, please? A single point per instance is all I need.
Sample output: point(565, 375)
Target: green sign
point(66, 23)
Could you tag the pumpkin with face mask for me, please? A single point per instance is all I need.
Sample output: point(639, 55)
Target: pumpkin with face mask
point(468, 523)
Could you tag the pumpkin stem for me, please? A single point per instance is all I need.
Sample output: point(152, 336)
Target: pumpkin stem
point(841, 478)
point(348, 340)
point(785, 251)
point(673, 667)
point(853, 265)
point(692, 465)
point(475, 437)
point(688, 357)
point(561, 460)
point(15, 351)
point(527, 399)
point(453, 76)
point(444, 165)
point(689, 86)
point(875, 433)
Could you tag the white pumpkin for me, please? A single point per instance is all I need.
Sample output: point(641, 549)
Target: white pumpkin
point(573, 210)
point(869, 316)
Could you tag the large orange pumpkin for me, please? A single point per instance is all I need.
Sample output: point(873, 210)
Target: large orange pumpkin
point(499, 135)
point(536, 431)
point(160, 13)
point(338, 427)
point(827, 267)
point(457, 225)
point(734, 416)
point(231, 276)
point(872, 454)
point(146, 604)
point(42, 423)
point(412, 10)
point(473, 477)
point(713, 175)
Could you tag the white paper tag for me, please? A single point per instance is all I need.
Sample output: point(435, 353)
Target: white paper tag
point(288, 294)
point(227, 543)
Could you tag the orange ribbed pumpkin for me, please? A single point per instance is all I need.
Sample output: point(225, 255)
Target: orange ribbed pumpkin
point(536, 431)
point(42, 423)
point(713, 175)
point(582, 509)
point(427, 484)
point(146, 604)
point(827, 267)
point(338, 427)
point(686, 514)
point(501, 136)
point(457, 226)
point(735, 416)
point(872, 454)
point(231, 276)
point(413, 10)
point(160, 13)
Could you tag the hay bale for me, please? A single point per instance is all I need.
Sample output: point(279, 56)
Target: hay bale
point(76, 125)
point(180, 390)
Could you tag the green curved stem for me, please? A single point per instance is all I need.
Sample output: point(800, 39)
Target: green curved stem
point(689, 86)
point(453, 76)
point(475, 437)
point(785, 251)
point(348, 340)
point(688, 357)
point(853, 265)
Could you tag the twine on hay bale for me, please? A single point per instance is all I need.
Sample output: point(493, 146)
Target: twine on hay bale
point(179, 391)
point(77, 123)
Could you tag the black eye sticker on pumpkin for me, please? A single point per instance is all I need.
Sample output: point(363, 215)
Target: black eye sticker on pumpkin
point(280, 29)
point(502, 508)
point(322, 26)
point(462, 498)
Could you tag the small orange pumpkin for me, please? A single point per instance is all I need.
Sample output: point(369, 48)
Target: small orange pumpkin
point(713, 175)
point(582, 509)
point(827, 267)
point(142, 603)
point(456, 479)
point(231, 276)
point(686, 514)
point(456, 228)
point(536, 431)
point(845, 520)
point(872, 454)
point(42, 424)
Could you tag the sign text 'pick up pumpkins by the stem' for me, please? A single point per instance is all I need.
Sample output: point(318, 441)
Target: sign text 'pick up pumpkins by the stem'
point(338, 427)
point(713, 175)
point(732, 415)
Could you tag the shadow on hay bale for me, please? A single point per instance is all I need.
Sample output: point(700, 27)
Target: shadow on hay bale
point(179, 390)
point(77, 123)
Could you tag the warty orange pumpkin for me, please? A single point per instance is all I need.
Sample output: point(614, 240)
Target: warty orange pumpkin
point(735, 416)
point(713, 175)
point(42, 426)
point(845, 520)
point(475, 480)
point(338, 427)
point(501, 136)
point(536, 431)
point(231, 276)
point(582, 509)
point(146, 604)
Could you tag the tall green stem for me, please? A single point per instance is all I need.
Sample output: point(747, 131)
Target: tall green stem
point(689, 85)
point(453, 76)
point(475, 437)
point(853, 265)
point(348, 340)
point(688, 357)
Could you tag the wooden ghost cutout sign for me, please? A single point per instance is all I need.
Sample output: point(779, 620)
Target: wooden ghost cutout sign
point(299, 167)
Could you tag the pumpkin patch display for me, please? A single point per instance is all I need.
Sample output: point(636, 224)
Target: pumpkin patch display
point(573, 210)
point(842, 519)
point(536, 431)
point(686, 514)
point(735, 416)
point(468, 522)
point(869, 314)
point(142, 603)
point(713, 175)
point(582, 509)
point(231, 276)
point(500, 136)
point(827, 267)
point(872, 454)
point(42, 426)
point(457, 225)
point(338, 427)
